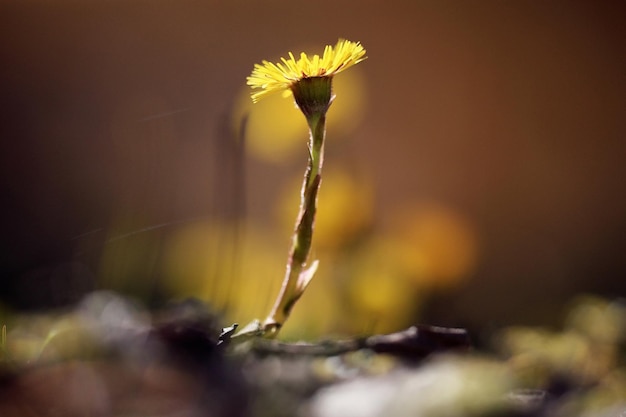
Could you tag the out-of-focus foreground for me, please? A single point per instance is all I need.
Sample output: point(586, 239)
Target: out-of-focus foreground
point(111, 357)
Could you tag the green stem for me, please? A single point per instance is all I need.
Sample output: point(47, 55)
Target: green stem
point(293, 284)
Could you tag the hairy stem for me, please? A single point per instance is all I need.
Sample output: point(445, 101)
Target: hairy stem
point(296, 276)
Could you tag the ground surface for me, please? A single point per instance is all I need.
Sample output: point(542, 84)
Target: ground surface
point(181, 364)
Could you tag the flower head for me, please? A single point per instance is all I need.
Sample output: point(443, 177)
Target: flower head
point(282, 77)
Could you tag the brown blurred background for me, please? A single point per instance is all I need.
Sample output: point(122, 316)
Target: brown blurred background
point(486, 145)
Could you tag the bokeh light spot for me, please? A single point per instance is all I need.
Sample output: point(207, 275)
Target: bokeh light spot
point(276, 129)
point(437, 243)
point(345, 208)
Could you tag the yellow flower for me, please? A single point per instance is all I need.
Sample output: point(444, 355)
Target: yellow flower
point(281, 77)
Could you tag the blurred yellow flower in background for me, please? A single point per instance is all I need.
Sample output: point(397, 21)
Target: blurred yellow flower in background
point(230, 266)
point(280, 77)
point(275, 128)
point(345, 208)
point(437, 244)
point(381, 296)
